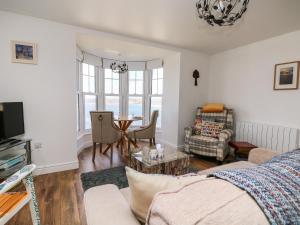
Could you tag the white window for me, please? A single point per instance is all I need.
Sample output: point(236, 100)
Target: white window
point(87, 85)
point(157, 93)
point(112, 92)
point(136, 95)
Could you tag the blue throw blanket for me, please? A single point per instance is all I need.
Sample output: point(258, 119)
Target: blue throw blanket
point(275, 185)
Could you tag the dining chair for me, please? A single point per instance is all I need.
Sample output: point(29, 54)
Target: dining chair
point(104, 131)
point(147, 132)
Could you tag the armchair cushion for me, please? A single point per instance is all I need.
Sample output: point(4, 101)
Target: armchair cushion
point(188, 132)
point(207, 145)
point(211, 129)
point(213, 108)
point(197, 126)
point(225, 134)
point(204, 140)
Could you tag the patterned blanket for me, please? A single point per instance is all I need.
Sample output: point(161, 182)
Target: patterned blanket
point(275, 185)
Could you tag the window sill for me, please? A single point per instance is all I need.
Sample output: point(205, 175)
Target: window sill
point(83, 133)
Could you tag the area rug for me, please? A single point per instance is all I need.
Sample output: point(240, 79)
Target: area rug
point(116, 175)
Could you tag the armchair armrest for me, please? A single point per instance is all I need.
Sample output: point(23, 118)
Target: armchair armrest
point(225, 135)
point(188, 132)
point(261, 155)
point(17, 177)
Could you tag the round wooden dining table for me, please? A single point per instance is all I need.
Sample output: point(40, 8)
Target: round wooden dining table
point(124, 123)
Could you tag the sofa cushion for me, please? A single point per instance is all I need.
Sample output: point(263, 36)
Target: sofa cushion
point(126, 194)
point(211, 129)
point(143, 187)
point(205, 202)
point(234, 165)
point(105, 205)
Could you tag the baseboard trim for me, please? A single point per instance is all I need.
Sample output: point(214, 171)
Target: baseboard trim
point(83, 146)
point(58, 167)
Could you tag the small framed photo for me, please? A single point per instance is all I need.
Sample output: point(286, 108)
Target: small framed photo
point(23, 52)
point(286, 76)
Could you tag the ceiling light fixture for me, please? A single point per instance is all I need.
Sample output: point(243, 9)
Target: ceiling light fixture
point(221, 12)
point(119, 68)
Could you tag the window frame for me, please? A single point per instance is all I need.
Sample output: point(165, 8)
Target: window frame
point(123, 94)
point(156, 95)
point(120, 95)
point(82, 95)
point(143, 95)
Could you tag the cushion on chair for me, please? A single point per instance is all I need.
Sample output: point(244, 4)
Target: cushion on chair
point(197, 126)
point(220, 117)
point(213, 107)
point(200, 140)
point(211, 129)
point(206, 145)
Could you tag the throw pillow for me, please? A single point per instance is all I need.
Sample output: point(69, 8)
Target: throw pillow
point(213, 107)
point(143, 187)
point(197, 126)
point(211, 129)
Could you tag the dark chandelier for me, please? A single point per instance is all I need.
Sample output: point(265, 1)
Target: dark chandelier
point(119, 68)
point(221, 12)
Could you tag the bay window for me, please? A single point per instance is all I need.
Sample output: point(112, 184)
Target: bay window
point(135, 93)
point(88, 95)
point(157, 93)
point(112, 92)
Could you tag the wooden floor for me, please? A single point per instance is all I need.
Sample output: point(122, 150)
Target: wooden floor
point(60, 195)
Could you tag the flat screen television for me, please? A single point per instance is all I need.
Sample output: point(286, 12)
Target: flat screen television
point(11, 120)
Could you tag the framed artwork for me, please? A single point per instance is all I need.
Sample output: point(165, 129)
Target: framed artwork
point(23, 52)
point(286, 76)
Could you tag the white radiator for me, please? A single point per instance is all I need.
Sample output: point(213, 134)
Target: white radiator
point(277, 138)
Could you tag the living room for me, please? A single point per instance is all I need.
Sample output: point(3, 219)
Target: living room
point(239, 66)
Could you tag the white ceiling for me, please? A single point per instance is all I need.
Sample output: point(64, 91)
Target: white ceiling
point(172, 22)
point(118, 49)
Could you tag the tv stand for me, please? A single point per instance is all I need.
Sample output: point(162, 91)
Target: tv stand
point(8, 141)
point(9, 150)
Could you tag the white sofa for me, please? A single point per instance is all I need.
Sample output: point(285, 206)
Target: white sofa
point(107, 205)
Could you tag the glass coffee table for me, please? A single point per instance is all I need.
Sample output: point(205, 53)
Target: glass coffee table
point(174, 162)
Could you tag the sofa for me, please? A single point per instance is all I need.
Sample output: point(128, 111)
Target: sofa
point(107, 205)
point(199, 144)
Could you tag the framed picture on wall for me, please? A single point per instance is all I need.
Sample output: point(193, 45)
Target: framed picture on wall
point(286, 76)
point(23, 52)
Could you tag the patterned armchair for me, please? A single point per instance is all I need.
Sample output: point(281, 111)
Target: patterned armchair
point(209, 146)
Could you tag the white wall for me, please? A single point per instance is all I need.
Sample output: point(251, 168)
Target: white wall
point(47, 89)
point(191, 96)
point(170, 106)
point(243, 79)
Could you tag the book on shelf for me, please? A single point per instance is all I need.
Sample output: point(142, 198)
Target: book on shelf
point(9, 160)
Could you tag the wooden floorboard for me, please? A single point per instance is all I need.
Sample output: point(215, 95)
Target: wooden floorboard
point(60, 195)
